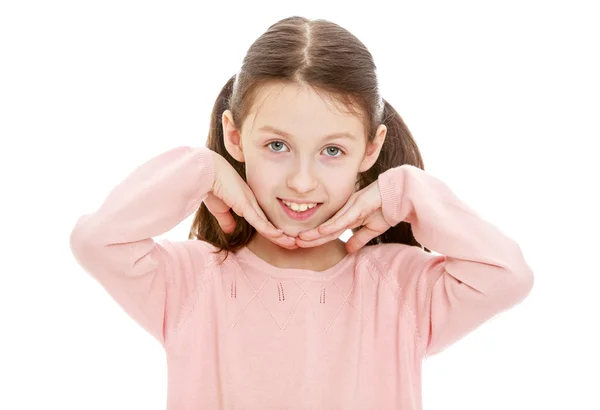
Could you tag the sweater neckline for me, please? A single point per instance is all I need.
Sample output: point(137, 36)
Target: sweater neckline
point(291, 273)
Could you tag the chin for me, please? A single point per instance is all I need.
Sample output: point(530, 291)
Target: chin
point(291, 231)
point(294, 230)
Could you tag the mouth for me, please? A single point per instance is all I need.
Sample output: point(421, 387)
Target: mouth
point(301, 212)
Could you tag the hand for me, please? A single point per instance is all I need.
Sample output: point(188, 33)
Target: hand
point(363, 208)
point(230, 191)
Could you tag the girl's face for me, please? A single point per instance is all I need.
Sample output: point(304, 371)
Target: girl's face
point(298, 148)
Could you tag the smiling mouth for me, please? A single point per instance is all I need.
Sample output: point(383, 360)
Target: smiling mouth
point(299, 207)
point(299, 211)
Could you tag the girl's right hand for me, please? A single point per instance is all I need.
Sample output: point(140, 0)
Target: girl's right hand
point(230, 192)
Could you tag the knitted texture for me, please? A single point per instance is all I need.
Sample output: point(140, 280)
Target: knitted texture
point(240, 333)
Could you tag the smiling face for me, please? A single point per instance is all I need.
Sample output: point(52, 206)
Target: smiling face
point(299, 148)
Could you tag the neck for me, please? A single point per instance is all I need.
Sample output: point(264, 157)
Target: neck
point(318, 258)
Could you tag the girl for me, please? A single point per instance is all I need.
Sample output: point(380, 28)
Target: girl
point(264, 306)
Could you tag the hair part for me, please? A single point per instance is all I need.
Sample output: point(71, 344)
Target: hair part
point(338, 66)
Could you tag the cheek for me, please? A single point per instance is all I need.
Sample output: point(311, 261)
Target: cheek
point(262, 180)
point(340, 186)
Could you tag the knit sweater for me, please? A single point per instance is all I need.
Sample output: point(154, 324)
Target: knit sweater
point(240, 333)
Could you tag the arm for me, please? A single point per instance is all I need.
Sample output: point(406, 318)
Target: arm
point(480, 272)
point(155, 282)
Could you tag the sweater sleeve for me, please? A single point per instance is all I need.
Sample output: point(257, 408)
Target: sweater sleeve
point(478, 273)
point(155, 282)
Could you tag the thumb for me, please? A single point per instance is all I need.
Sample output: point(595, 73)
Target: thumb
point(220, 210)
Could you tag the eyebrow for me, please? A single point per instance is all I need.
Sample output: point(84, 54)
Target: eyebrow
point(288, 135)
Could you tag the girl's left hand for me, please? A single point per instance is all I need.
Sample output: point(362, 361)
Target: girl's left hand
point(363, 208)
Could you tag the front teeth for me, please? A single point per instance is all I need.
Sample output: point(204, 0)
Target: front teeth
point(299, 207)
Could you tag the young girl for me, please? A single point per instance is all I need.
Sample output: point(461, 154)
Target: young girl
point(264, 306)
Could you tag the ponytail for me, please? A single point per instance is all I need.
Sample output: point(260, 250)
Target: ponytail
point(205, 226)
point(399, 147)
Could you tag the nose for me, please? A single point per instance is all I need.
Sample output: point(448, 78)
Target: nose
point(302, 178)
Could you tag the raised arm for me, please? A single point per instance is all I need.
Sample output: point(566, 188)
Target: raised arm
point(479, 273)
point(155, 282)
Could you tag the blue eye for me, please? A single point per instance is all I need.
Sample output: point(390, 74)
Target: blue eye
point(335, 150)
point(279, 143)
point(277, 146)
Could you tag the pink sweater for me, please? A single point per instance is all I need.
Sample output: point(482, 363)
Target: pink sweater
point(247, 335)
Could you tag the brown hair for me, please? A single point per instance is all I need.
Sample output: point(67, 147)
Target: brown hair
point(333, 62)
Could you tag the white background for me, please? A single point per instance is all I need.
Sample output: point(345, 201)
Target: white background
point(503, 101)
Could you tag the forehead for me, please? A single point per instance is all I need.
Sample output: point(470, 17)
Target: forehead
point(300, 110)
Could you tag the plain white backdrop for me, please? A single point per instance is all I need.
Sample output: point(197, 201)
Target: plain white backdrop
point(502, 99)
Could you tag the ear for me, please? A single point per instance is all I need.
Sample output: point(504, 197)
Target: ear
point(232, 137)
point(373, 149)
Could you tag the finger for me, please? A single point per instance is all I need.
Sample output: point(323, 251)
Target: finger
point(226, 221)
point(361, 238)
point(259, 211)
point(261, 225)
point(314, 236)
point(220, 211)
point(249, 195)
point(275, 232)
point(284, 241)
point(247, 211)
point(252, 199)
point(315, 233)
point(271, 231)
point(350, 218)
point(310, 235)
point(350, 213)
point(254, 202)
point(342, 211)
point(267, 229)
point(319, 241)
point(291, 245)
